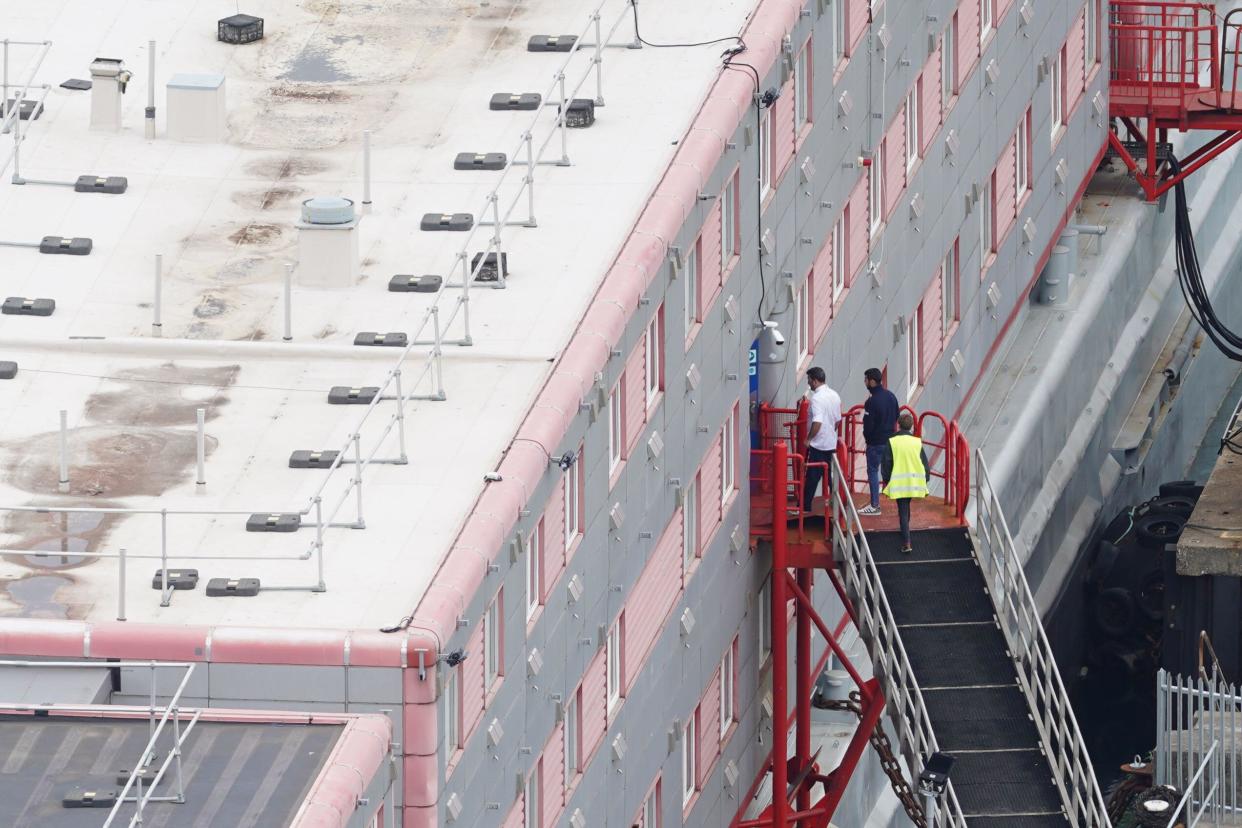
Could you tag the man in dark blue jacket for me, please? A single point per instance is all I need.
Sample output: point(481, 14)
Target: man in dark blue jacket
point(879, 423)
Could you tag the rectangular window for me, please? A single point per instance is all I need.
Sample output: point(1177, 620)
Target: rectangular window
point(913, 139)
point(452, 713)
point(532, 816)
point(987, 17)
point(765, 150)
point(728, 223)
point(765, 620)
point(838, 30)
point(1092, 54)
point(802, 313)
point(802, 89)
point(876, 174)
point(950, 288)
point(655, 355)
point(689, 758)
point(613, 676)
point(727, 676)
point(1057, 84)
point(572, 731)
point(948, 64)
point(914, 351)
point(693, 284)
point(728, 457)
point(1022, 155)
point(987, 221)
point(573, 500)
point(615, 438)
point(534, 570)
point(690, 525)
point(649, 814)
point(839, 234)
point(493, 642)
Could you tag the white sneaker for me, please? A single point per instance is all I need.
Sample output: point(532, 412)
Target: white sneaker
point(869, 510)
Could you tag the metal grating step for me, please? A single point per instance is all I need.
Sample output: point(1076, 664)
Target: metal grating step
point(981, 718)
point(929, 545)
point(1005, 782)
point(936, 592)
point(1041, 821)
point(957, 656)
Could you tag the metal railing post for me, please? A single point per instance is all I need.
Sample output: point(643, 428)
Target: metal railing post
point(288, 334)
point(63, 482)
point(599, 62)
point(322, 587)
point(560, 122)
point(157, 323)
point(530, 179)
point(496, 224)
point(438, 356)
point(165, 595)
point(360, 523)
point(149, 114)
point(176, 719)
point(120, 592)
point(366, 168)
point(464, 299)
point(401, 457)
point(200, 448)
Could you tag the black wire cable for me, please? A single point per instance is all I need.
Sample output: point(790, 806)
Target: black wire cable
point(634, 5)
point(737, 65)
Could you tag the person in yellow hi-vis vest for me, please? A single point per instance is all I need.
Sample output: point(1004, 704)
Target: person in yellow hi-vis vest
point(906, 473)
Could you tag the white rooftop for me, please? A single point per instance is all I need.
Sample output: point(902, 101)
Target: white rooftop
point(223, 217)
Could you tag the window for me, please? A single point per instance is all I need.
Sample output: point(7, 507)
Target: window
point(655, 355)
point(727, 677)
point(613, 674)
point(802, 313)
point(950, 288)
point(534, 570)
point(452, 713)
point(1022, 155)
point(728, 223)
point(765, 620)
point(649, 813)
point(914, 351)
point(765, 150)
point(948, 64)
point(692, 284)
point(876, 174)
point(493, 643)
point(728, 457)
point(987, 17)
point(1092, 54)
point(987, 223)
point(1057, 83)
point(802, 89)
point(572, 737)
point(689, 758)
point(913, 127)
point(838, 30)
point(839, 233)
point(690, 525)
point(531, 811)
point(614, 428)
point(573, 500)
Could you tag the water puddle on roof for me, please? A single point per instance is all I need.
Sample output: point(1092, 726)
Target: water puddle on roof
point(63, 540)
point(35, 596)
point(314, 65)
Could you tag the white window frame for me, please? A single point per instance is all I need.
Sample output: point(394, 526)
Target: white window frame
point(532, 816)
point(728, 457)
point(913, 128)
point(839, 30)
point(690, 525)
point(838, 258)
point(649, 814)
point(572, 739)
point(573, 497)
point(1057, 83)
point(615, 420)
point(987, 19)
point(534, 570)
point(876, 185)
point(613, 676)
point(452, 713)
point(802, 88)
point(493, 644)
point(689, 759)
point(727, 676)
point(1022, 155)
point(951, 275)
point(693, 278)
point(987, 223)
point(1091, 55)
point(802, 321)
point(765, 620)
point(914, 352)
point(948, 64)
point(654, 356)
point(766, 137)
point(728, 224)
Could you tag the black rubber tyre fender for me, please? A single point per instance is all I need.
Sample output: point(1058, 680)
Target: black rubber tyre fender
point(1114, 611)
point(1155, 529)
point(1156, 818)
point(1181, 488)
point(1178, 504)
point(1102, 564)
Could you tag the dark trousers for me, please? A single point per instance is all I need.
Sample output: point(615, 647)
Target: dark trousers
point(875, 460)
point(903, 519)
point(813, 476)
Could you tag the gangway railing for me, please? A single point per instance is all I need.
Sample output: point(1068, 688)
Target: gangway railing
point(1032, 657)
point(1199, 745)
point(878, 629)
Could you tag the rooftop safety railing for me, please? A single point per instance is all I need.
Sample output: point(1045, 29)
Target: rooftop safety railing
point(878, 628)
point(1198, 744)
point(1033, 659)
point(158, 717)
point(417, 374)
point(23, 90)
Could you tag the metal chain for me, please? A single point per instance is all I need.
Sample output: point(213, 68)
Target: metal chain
point(888, 760)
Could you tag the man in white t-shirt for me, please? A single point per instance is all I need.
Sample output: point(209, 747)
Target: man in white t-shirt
point(821, 436)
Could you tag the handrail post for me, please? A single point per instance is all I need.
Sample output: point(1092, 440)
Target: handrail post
point(437, 366)
point(321, 586)
point(528, 139)
point(360, 523)
point(63, 483)
point(157, 321)
point(777, 622)
point(560, 122)
point(120, 592)
point(464, 299)
point(165, 596)
point(396, 378)
point(599, 62)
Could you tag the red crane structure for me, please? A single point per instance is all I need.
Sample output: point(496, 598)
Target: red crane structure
point(800, 544)
point(1174, 66)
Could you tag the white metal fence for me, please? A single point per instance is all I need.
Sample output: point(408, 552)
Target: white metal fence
point(1197, 743)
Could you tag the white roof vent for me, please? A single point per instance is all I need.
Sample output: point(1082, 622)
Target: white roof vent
point(328, 210)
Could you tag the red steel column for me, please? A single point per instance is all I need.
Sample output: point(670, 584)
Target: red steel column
point(804, 665)
point(779, 624)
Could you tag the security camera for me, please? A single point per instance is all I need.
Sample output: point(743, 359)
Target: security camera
point(778, 337)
